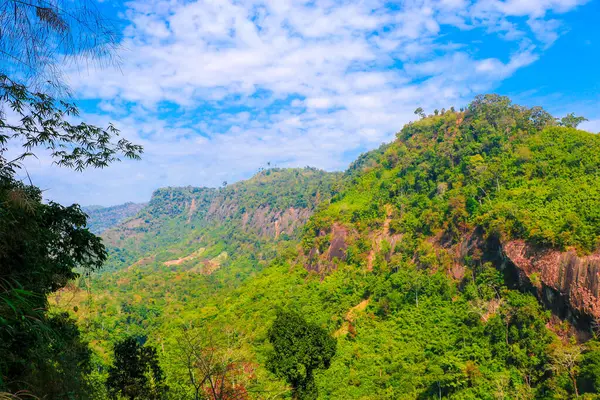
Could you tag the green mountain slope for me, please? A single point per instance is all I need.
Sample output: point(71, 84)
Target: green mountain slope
point(406, 261)
point(202, 237)
point(264, 210)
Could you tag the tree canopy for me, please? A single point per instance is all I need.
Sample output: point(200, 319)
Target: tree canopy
point(300, 348)
point(43, 246)
point(135, 373)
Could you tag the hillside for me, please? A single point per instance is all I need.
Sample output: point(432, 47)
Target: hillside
point(102, 218)
point(430, 260)
point(272, 206)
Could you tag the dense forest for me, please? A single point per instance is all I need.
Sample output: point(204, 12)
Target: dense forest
point(403, 261)
point(459, 261)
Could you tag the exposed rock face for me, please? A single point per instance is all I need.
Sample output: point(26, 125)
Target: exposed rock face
point(336, 250)
point(263, 220)
point(565, 282)
point(338, 246)
point(273, 223)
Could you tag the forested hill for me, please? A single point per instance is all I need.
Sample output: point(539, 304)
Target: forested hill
point(272, 206)
point(459, 261)
point(102, 218)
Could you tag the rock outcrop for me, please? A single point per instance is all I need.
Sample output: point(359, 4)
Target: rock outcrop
point(567, 283)
point(323, 263)
point(273, 223)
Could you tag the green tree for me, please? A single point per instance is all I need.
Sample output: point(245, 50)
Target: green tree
point(419, 111)
point(43, 245)
point(135, 373)
point(564, 358)
point(572, 121)
point(300, 348)
point(589, 370)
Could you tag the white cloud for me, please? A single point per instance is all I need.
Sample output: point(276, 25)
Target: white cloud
point(498, 70)
point(546, 30)
point(289, 81)
point(591, 126)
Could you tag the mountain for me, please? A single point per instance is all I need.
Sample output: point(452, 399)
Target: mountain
point(102, 218)
point(270, 207)
point(459, 261)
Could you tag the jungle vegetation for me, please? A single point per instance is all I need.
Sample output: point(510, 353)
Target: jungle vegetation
point(296, 283)
point(404, 325)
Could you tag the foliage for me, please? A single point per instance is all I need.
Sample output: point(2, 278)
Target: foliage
point(44, 246)
point(572, 121)
point(299, 349)
point(497, 165)
point(41, 246)
point(589, 377)
point(37, 38)
point(135, 373)
point(213, 370)
point(44, 122)
point(412, 314)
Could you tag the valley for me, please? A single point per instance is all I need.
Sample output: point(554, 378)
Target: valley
point(299, 200)
point(459, 261)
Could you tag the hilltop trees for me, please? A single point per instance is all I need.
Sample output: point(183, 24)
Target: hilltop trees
point(299, 349)
point(572, 121)
point(419, 111)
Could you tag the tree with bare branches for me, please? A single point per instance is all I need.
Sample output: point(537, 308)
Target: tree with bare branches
point(565, 359)
point(214, 369)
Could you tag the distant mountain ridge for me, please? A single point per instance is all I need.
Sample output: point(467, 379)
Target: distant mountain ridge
point(271, 206)
point(102, 218)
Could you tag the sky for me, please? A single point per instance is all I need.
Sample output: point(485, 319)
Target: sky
point(216, 89)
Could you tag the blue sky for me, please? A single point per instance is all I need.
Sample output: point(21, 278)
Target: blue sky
point(216, 89)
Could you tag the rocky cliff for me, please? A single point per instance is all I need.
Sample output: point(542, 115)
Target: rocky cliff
point(273, 205)
point(567, 283)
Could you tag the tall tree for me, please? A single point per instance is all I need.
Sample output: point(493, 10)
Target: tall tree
point(300, 348)
point(43, 245)
point(135, 373)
